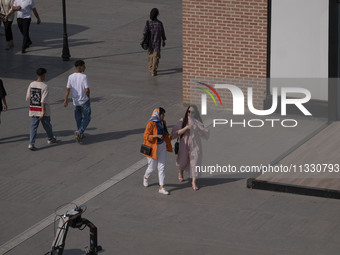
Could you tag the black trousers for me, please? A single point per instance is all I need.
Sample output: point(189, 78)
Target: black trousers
point(24, 27)
point(8, 30)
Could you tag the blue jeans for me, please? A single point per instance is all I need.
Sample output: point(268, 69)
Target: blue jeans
point(82, 114)
point(46, 122)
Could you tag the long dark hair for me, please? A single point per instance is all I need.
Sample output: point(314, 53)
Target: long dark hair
point(197, 116)
point(162, 111)
point(185, 119)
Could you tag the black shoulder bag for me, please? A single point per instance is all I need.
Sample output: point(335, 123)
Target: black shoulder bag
point(177, 146)
point(146, 38)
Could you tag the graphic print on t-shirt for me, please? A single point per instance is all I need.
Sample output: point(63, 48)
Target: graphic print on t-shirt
point(35, 101)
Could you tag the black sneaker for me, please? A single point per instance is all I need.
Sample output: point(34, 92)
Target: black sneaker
point(52, 141)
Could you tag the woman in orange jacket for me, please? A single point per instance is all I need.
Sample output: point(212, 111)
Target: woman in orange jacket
point(157, 137)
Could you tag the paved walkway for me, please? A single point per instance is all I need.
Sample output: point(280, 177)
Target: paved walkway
point(106, 171)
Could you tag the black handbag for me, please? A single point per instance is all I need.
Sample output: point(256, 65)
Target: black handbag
point(145, 149)
point(176, 147)
point(145, 43)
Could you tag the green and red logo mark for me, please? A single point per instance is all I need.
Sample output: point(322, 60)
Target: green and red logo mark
point(209, 93)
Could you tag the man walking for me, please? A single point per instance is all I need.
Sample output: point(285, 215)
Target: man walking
point(37, 95)
point(81, 98)
point(157, 37)
point(24, 10)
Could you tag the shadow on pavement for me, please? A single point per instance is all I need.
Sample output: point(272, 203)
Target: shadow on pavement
point(201, 183)
point(14, 139)
point(23, 66)
point(90, 139)
point(73, 252)
point(169, 71)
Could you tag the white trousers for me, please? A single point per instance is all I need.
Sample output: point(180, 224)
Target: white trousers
point(159, 163)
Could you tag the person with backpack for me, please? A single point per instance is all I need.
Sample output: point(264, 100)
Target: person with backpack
point(157, 37)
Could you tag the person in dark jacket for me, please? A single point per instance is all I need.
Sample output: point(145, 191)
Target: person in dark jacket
point(157, 38)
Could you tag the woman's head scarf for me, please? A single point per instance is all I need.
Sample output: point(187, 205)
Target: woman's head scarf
point(155, 115)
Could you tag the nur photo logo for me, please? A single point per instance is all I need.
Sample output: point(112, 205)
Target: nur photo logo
point(288, 96)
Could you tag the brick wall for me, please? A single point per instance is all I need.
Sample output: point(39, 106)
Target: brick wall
point(224, 39)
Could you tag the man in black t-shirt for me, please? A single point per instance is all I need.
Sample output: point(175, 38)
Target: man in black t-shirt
point(3, 104)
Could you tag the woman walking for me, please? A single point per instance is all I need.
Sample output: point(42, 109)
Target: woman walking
point(189, 130)
point(8, 17)
point(157, 137)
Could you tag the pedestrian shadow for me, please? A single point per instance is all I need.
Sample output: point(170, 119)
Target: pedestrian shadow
point(93, 100)
point(59, 135)
point(128, 53)
point(97, 138)
point(169, 71)
point(14, 139)
point(58, 43)
point(59, 102)
point(45, 38)
point(89, 139)
point(40, 135)
point(201, 183)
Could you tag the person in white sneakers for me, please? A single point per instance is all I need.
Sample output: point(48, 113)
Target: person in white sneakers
point(81, 98)
point(156, 137)
point(37, 95)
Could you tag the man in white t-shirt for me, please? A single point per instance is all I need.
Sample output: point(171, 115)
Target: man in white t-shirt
point(37, 95)
point(81, 98)
point(24, 10)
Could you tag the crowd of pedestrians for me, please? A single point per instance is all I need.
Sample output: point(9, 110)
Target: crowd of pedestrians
point(157, 137)
point(188, 130)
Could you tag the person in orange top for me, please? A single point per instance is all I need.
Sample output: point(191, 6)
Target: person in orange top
point(157, 137)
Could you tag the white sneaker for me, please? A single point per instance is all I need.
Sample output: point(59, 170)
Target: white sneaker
point(31, 147)
point(163, 191)
point(145, 182)
point(52, 141)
